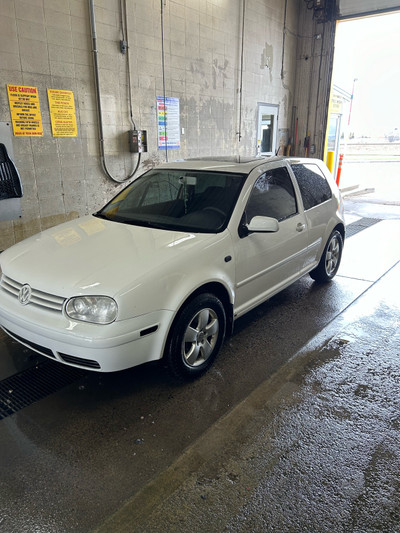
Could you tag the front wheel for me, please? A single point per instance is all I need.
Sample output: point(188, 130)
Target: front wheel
point(196, 336)
point(330, 260)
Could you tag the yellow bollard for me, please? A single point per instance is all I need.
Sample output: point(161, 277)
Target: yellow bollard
point(330, 160)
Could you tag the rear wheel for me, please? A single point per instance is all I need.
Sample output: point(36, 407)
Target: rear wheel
point(330, 260)
point(196, 336)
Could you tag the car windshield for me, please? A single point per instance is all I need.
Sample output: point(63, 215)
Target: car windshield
point(198, 201)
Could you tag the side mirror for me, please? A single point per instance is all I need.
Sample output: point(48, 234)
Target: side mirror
point(263, 225)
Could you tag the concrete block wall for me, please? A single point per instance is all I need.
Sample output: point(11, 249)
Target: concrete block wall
point(47, 44)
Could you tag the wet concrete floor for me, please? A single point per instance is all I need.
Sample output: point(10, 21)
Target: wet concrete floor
point(296, 427)
point(316, 448)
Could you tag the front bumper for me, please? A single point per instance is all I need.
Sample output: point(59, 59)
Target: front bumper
point(104, 348)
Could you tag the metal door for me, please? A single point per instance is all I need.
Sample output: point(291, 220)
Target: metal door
point(267, 129)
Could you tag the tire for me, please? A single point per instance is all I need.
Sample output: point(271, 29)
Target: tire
point(330, 260)
point(196, 337)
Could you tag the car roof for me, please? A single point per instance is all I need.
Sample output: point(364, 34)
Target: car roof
point(232, 164)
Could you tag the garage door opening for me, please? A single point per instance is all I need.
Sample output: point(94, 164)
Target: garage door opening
point(364, 115)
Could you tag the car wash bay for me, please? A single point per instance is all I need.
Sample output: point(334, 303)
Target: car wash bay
point(120, 452)
point(297, 420)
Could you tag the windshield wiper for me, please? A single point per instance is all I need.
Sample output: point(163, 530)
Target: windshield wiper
point(132, 221)
point(146, 223)
point(101, 215)
point(138, 222)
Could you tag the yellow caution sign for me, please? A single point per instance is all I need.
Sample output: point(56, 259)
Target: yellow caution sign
point(62, 113)
point(25, 111)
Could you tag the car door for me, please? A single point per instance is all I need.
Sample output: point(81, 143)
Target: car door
point(267, 262)
point(316, 198)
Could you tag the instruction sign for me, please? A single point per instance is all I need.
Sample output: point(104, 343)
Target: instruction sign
point(62, 113)
point(168, 123)
point(25, 111)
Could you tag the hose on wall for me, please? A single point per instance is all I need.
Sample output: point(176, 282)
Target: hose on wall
point(98, 98)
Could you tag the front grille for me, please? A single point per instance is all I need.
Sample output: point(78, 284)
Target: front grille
point(87, 363)
point(38, 298)
point(41, 349)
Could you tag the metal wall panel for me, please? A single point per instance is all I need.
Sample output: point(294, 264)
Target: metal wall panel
point(348, 8)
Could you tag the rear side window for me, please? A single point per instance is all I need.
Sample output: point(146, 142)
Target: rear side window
point(313, 185)
point(272, 196)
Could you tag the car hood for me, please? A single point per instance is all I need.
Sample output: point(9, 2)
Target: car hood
point(94, 256)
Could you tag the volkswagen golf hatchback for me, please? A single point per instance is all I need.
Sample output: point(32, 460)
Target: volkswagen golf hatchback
point(165, 268)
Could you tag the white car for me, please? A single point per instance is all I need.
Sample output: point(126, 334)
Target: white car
point(165, 268)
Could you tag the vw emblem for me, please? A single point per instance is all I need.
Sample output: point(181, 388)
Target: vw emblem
point(25, 294)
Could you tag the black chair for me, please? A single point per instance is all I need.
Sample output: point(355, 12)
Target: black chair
point(10, 182)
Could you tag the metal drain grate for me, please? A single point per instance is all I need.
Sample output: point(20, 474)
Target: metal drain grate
point(359, 225)
point(33, 384)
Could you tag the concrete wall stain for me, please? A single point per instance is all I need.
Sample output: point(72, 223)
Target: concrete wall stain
point(219, 72)
point(267, 59)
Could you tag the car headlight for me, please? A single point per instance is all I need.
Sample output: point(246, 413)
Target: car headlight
point(95, 309)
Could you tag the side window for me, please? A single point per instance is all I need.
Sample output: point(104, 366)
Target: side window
point(313, 185)
point(272, 196)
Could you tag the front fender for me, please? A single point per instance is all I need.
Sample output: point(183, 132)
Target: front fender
point(170, 284)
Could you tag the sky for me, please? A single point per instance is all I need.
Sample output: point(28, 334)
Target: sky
point(369, 50)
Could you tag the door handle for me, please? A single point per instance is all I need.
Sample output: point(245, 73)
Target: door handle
point(300, 227)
